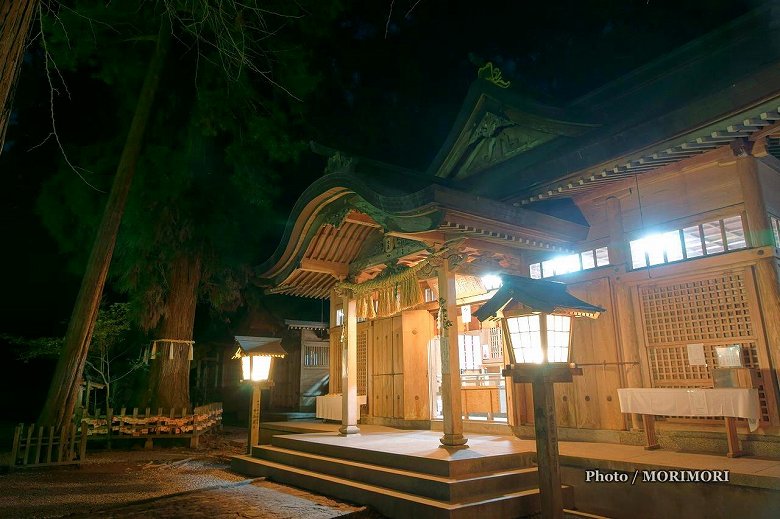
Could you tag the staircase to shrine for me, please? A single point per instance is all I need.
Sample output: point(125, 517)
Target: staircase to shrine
point(429, 482)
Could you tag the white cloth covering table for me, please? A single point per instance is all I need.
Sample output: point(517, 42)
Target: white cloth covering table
point(729, 403)
point(329, 406)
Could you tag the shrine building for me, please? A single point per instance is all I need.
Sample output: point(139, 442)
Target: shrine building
point(655, 197)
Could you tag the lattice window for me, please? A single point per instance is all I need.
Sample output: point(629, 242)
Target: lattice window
point(707, 309)
point(496, 346)
point(316, 355)
point(713, 312)
point(362, 356)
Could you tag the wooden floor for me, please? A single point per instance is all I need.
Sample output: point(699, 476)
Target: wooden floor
point(748, 470)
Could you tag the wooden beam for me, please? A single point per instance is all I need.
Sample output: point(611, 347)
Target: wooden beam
point(337, 270)
point(361, 219)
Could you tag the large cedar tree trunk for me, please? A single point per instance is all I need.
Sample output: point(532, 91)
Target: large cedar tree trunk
point(169, 378)
point(63, 392)
point(15, 19)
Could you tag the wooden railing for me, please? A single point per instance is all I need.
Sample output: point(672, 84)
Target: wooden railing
point(43, 446)
point(175, 423)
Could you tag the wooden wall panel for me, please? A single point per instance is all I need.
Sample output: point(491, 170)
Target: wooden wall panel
point(565, 406)
point(396, 347)
point(769, 178)
point(672, 195)
point(399, 361)
point(398, 396)
point(415, 335)
point(382, 347)
point(595, 392)
point(383, 396)
point(334, 385)
point(585, 386)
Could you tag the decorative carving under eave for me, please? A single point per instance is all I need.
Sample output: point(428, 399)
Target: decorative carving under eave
point(496, 139)
point(375, 254)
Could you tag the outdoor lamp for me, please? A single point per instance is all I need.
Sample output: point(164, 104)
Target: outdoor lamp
point(256, 354)
point(537, 337)
point(255, 368)
point(536, 318)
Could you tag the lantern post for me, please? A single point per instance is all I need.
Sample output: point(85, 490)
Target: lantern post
point(536, 318)
point(256, 355)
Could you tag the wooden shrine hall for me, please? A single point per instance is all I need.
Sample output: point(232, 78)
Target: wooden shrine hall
point(673, 231)
point(655, 197)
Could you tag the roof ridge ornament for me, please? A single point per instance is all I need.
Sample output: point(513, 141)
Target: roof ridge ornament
point(340, 163)
point(493, 75)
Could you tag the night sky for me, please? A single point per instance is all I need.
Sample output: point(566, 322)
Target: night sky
point(392, 85)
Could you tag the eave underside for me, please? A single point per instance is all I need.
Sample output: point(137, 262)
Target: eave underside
point(344, 243)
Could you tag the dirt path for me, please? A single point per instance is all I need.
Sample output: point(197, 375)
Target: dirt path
point(175, 482)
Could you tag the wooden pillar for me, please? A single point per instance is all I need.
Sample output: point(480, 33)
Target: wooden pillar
point(759, 231)
point(617, 242)
point(254, 419)
point(625, 329)
point(349, 406)
point(546, 431)
point(450, 360)
point(768, 292)
point(766, 271)
point(334, 352)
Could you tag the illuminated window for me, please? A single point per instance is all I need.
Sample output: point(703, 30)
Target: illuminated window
point(570, 263)
point(526, 338)
point(690, 242)
point(470, 350)
point(558, 334)
point(491, 282)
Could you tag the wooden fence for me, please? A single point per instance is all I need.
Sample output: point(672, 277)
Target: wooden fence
point(175, 423)
point(43, 446)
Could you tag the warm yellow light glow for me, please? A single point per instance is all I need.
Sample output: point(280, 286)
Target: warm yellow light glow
point(558, 333)
point(255, 368)
point(245, 368)
point(526, 339)
point(261, 368)
point(539, 338)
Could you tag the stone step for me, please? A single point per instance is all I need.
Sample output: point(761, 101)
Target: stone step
point(461, 463)
point(393, 503)
point(462, 488)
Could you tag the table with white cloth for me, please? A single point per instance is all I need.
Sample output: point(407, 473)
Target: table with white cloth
point(329, 406)
point(729, 403)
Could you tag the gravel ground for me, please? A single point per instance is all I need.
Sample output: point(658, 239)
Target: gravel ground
point(173, 482)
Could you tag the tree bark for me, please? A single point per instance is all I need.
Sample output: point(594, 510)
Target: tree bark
point(16, 16)
point(169, 378)
point(63, 392)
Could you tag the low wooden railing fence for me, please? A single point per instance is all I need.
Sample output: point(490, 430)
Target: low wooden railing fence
point(175, 423)
point(43, 446)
